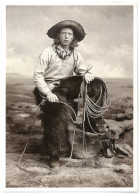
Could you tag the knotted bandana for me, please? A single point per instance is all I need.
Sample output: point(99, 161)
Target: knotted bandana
point(63, 54)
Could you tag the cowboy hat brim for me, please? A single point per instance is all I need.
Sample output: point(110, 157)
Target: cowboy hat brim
point(76, 27)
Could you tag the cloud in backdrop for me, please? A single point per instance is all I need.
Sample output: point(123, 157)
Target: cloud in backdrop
point(108, 44)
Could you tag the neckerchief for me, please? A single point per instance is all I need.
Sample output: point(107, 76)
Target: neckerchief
point(63, 54)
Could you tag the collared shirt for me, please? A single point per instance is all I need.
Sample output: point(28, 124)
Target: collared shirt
point(51, 67)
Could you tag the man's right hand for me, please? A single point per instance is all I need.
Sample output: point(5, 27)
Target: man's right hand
point(51, 97)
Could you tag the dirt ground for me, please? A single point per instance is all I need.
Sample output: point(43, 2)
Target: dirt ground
point(79, 173)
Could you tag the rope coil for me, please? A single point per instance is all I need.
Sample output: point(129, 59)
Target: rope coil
point(91, 109)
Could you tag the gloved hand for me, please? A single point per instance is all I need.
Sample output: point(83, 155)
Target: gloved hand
point(51, 97)
point(88, 77)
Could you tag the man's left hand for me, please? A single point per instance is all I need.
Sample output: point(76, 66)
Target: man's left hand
point(89, 77)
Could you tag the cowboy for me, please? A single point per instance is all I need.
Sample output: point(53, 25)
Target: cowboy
point(60, 60)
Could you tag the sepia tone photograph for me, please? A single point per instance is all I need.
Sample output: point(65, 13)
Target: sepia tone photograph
point(69, 96)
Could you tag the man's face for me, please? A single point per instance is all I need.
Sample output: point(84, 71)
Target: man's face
point(66, 36)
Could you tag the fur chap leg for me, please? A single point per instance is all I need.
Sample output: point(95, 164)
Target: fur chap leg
point(55, 120)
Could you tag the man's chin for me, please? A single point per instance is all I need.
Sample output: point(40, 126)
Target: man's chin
point(65, 44)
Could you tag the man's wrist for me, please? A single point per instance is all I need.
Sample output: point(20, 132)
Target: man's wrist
point(48, 93)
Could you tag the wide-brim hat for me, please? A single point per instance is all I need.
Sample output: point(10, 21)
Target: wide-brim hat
point(76, 27)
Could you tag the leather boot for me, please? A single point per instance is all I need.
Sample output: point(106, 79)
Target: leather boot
point(54, 161)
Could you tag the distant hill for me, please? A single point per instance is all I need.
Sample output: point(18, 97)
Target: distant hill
point(16, 78)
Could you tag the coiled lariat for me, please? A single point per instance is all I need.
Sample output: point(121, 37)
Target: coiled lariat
point(91, 109)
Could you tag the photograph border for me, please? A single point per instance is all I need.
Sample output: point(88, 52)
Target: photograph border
point(3, 89)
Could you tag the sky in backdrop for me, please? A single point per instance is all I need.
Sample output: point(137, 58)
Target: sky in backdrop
point(108, 44)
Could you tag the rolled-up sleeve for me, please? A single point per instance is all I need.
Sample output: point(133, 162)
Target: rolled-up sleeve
point(41, 67)
point(81, 68)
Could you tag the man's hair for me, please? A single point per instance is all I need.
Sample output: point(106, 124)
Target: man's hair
point(73, 44)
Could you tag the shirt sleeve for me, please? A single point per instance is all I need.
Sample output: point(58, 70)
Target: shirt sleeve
point(41, 67)
point(81, 68)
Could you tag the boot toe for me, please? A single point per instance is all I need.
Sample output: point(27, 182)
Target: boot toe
point(55, 164)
